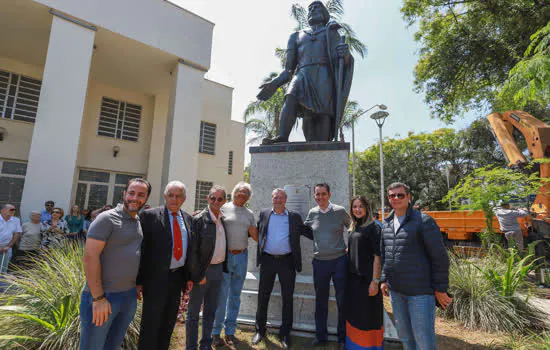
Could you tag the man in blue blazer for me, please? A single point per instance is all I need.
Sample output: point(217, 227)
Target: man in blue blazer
point(278, 253)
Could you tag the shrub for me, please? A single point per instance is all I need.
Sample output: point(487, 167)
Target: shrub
point(40, 310)
point(478, 304)
point(530, 341)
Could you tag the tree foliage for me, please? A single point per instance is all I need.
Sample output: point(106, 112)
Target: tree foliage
point(486, 187)
point(468, 47)
point(422, 160)
point(529, 81)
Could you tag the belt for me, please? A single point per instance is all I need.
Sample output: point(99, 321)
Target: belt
point(237, 251)
point(278, 256)
point(176, 269)
point(313, 61)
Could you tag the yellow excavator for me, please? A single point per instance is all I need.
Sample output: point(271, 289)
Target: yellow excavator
point(537, 137)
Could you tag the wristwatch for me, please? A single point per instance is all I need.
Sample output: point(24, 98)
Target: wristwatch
point(102, 296)
point(376, 280)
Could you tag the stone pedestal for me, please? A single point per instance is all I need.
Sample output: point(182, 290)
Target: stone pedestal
point(297, 167)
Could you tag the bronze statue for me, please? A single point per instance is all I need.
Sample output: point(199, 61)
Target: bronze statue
point(319, 67)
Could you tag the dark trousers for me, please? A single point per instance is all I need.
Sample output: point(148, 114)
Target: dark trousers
point(323, 272)
point(283, 267)
point(208, 294)
point(161, 300)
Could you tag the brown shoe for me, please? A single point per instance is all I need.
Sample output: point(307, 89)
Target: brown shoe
point(217, 341)
point(231, 340)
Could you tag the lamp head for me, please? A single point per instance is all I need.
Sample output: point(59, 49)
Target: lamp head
point(2, 133)
point(116, 149)
point(379, 117)
point(383, 107)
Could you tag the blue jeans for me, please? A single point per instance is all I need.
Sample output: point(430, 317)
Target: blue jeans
point(415, 320)
point(208, 294)
point(4, 262)
point(230, 294)
point(323, 272)
point(111, 334)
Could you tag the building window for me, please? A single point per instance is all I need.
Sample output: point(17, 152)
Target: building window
point(119, 120)
point(12, 180)
point(19, 96)
point(95, 189)
point(230, 163)
point(201, 191)
point(207, 142)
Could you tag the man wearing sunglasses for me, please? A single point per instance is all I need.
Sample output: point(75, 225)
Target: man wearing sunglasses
point(47, 211)
point(415, 270)
point(209, 229)
point(10, 229)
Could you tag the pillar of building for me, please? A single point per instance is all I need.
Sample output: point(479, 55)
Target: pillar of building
point(53, 153)
point(181, 152)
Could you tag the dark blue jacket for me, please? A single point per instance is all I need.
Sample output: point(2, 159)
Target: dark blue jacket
point(414, 259)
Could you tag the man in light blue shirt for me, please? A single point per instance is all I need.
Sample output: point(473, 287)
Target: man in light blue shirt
point(279, 254)
point(46, 214)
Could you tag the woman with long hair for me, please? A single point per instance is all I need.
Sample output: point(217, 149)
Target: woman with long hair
point(364, 309)
point(75, 221)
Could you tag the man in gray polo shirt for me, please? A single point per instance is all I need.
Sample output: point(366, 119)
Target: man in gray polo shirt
point(328, 222)
point(111, 263)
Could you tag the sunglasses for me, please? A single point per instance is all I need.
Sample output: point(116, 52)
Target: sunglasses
point(49, 205)
point(219, 199)
point(397, 195)
point(13, 209)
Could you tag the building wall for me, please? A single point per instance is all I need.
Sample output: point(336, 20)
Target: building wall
point(96, 152)
point(17, 141)
point(157, 23)
point(229, 137)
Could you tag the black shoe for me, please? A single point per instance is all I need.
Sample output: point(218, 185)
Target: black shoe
point(278, 139)
point(316, 342)
point(217, 341)
point(285, 341)
point(257, 338)
point(231, 340)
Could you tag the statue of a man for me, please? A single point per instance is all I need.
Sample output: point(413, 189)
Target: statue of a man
point(320, 69)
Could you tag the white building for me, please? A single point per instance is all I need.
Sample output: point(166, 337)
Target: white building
point(95, 92)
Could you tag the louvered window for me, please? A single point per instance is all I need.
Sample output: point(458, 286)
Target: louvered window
point(207, 142)
point(119, 120)
point(201, 191)
point(12, 179)
point(230, 164)
point(19, 96)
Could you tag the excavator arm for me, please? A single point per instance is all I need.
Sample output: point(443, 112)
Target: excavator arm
point(537, 136)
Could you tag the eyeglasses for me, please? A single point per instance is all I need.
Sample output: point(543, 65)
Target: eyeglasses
point(397, 195)
point(219, 199)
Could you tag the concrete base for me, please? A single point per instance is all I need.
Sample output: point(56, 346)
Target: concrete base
point(298, 166)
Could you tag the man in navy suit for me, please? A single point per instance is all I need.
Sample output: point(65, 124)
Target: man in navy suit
point(278, 253)
point(167, 264)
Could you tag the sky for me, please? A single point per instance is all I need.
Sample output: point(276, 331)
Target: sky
point(247, 32)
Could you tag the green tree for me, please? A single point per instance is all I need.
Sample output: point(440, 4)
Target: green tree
point(352, 111)
point(468, 47)
point(423, 160)
point(529, 80)
point(487, 187)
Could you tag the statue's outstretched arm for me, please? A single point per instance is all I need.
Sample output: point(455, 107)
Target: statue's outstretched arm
point(269, 88)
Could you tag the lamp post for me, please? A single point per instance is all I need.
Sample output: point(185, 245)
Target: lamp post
point(380, 117)
point(381, 106)
point(448, 173)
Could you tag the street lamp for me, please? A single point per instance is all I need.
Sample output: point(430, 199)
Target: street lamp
point(381, 106)
point(380, 117)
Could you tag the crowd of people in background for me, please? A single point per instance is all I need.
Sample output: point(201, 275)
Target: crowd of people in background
point(134, 252)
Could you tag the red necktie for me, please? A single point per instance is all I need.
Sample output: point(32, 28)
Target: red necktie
point(177, 238)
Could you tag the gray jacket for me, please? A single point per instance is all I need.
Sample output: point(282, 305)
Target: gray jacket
point(414, 259)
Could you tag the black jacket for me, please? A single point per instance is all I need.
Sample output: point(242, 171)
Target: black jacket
point(414, 259)
point(296, 228)
point(157, 246)
point(205, 230)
